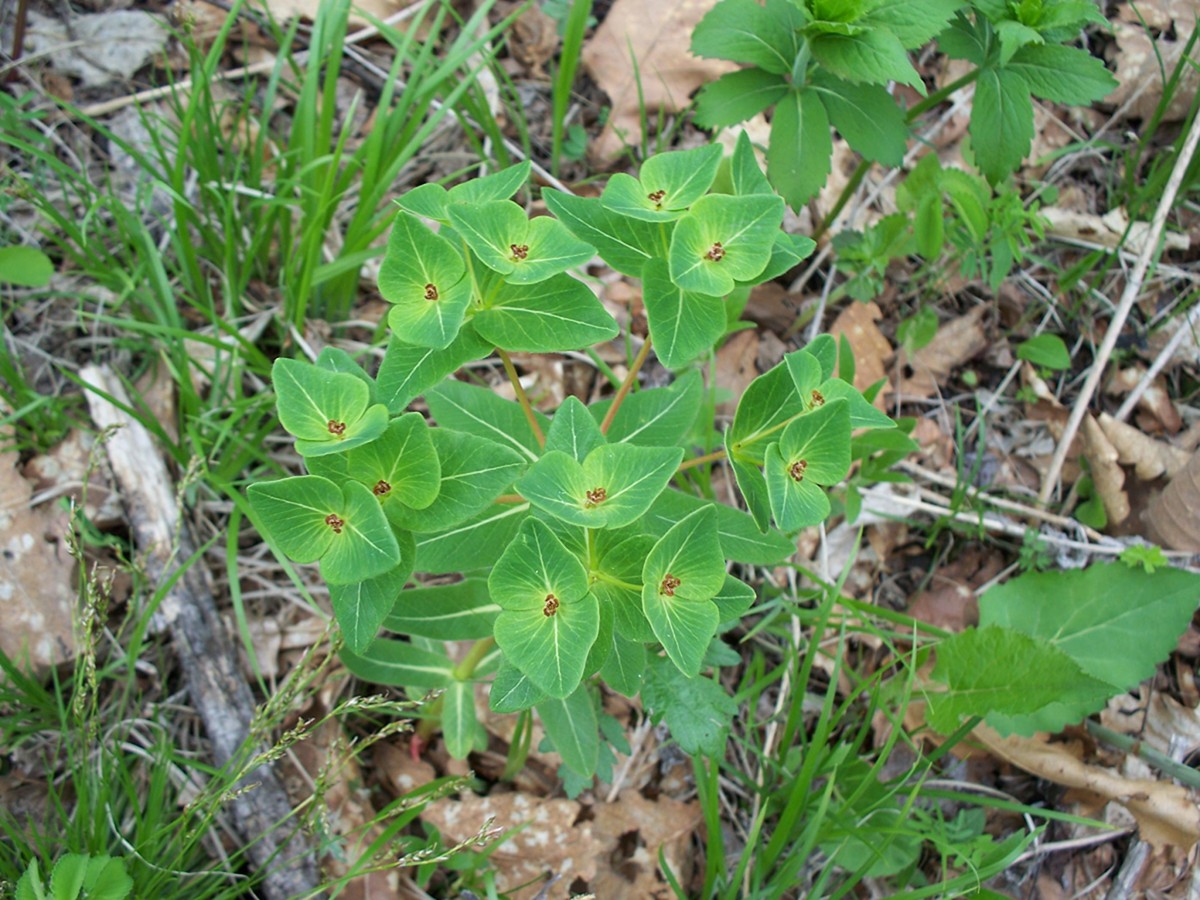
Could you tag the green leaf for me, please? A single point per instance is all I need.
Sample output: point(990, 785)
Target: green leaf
point(679, 579)
point(741, 541)
point(401, 467)
point(744, 171)
point(913, 24)
point(429, 201)
point(512, 690)
point(667, 184)
point(738, 96)
point(867, 116)
point(1045, 350)
point(497, 186)
point(571, 725)
point(656, 417)
point(786, 254)
point(625, 667)
point(801, 149)
point(549, 619)
point(616, 578)
point(734, 599)
point(107, 879)
point(484, 413)
point(751, 483)
point(683, 324)
point(559, 314)
point(327, 412)
point(424, 277)
point(474, 472)
point(766, 406)
point(408, 370)
point(525, 251)
point(1001, 122)
point(696, 709)
point(614, 486)
point(1063, 74)
point(362, 606)
point(67, 879)
point(335, 359)
point(364, 545)
point(445, 612)
point(869, 57)
point(460, 728)
point(724, 239)
point(796, 501)
point(821, 440)
point(475, 543)
point(25, 267)
point(745, 32)
point(574, 431)
point(997, 670)
point(30, 886)
point(624, 243)
point(400, 663)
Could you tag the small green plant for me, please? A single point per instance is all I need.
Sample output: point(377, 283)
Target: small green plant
point(77, 877)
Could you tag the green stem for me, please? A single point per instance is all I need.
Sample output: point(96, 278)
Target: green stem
point(616, 582)
point(465, 669)
point(522, 397)
point(1185, 774)
point(626, 385)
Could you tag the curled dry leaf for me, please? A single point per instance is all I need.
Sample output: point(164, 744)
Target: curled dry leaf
point(1150, 458)
point(1113, 229)
point(1165, 812)
point(1107, 474)
point(631, 833)
point(872, 352)
point(1171, 518)
point(955, 343)
point(1155, 399)
point(1141, 61)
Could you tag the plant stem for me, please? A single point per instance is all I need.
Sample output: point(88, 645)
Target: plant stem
point(522, 397)
point(626, 385)
point(701, 460)
point(509, 498)
point(1185, 774)
point(465, 669)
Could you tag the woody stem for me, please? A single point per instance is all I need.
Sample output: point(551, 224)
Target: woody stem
point(522, 397)
point(701, 460)
point(626, 385)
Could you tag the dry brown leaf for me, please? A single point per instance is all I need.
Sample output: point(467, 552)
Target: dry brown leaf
point(871, 349)
point(307, 9)
point(63, 471)
point(736, 367)
point(631, 832)
point(657, 36)
point(1166, 814)
point(541, 840)
point(1107, 475)
point(533, 40)
point(37, 589)
point(956, 342)
point(1172, 517)
point(1110, 230)
point(1141, 61)
point(98, 48)
point(1150, 458)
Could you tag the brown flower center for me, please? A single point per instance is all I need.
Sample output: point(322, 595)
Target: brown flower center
point(431, 292)
point(796, 470)
point(716, 253)
point(656, 197)
point(519, 251)
point(818, 399)
point(669, 584)
point(381, 488)
point(551, 606)
point(596, 496)
point(336, 427)
point(334, 521)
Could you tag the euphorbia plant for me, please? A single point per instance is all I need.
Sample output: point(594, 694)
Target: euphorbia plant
point(586, 547)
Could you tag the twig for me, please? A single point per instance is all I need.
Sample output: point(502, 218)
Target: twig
point(1133, 287)
point(1160, 362)
point(522, 397)
point(625, 386)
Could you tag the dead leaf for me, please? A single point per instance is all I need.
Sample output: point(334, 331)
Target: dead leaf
point(64, 471)
point(1166, 814)
point(541, 839)
point(533, 40)
point(308, 9)
point(955, 343)
point(1140, 61)
point(1107, 475)
point(99, 48)
point(736, 367)
point(951, 600)
point(871, 349)
point(631, 832)
point(1171, 517)
point(1113, 229)
point(1150, 458)
point(655, 36)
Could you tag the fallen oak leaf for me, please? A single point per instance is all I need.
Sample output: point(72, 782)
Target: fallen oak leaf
point(1150, 458)
point(1107, 474)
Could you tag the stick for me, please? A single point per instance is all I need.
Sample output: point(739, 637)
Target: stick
point(215, 684)
point(1132, 288)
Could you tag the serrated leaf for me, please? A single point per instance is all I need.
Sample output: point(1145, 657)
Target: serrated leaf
point(401, 467)
point(667, 184)
point(361, 606)
point(683, 324)
point(624, 243)
point(424, 278)
point(867, 116)
point(724, 239)
point(484, 413)
point(107, 879)
point(474, 472)
point(799, 157)
point(327, 412)
point(400, 663)
point(914, 24)
point(869, 57)
point(571, 725)
point(445, 612)
point(738, 96)
point(558, 314)
point(697, 710)
point(741, 540)
point(66, 881)
point(1063, 74)
point(408, 370)
point(512, 690)
point(681, 575)
point(1001, 122)
point(656, 417)
point(573, 430)
point(614, 486)
point(475, 543)
point(745, 32)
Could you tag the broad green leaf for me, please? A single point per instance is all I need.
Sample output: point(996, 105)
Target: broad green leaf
point(820, 439)
point(474, 472)
point(602, 646)
point(361, 606)
point(796, 501)
point(766, 407)
point(571, 725)
point(460, 727)
point(525, 251)
point(1063, 74)
point(25, 267)
point(744, 171)
point(914, 24)
point(824, 349)
point(751, 483)
point(559, 314)
point(1012, 36)
point(424, 277)
point(1117, 623)
point(401, 467)
point(407, 370)
point(30, 886)
point(696, 709)
point(869, 57)
point(497, 186)
point(614, 486)
point(740, 538)
point(335, 359)
point(626, 665)
point(746, 32)
point(862, 413)
point(801, 148)
point(107, 879)
point(683, 324)
point(867, 117)
point(786, 253)
point(616, 579)
point(738, 96)
point(734, 599)
point(66, 881)
point(400, 663)
point(363, 544)
point(574, 431)
point(1001, 122)
point(998, 670)
point(445, 612)
point(512, 690)
point(1045, 350)
point(296, 514)
point(484, 413)
point(428, 201)
point(549, 620)
point(968, 40)
point(624, 243)
point(667, 184)
point(679, 579)
point(724, 239)
point(656, 417)
point(327, 412)
point(475, 543)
